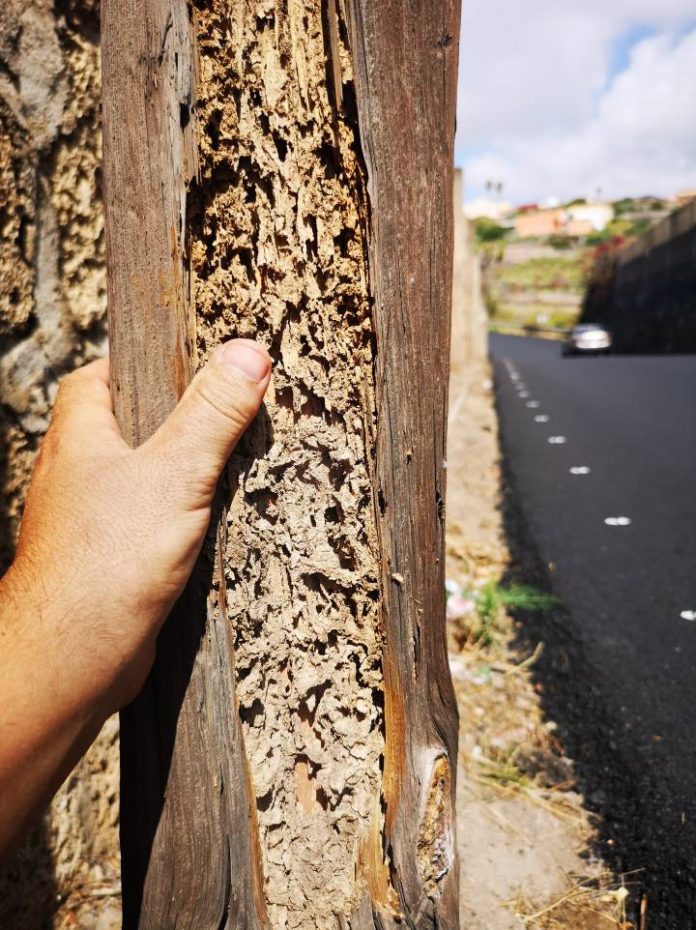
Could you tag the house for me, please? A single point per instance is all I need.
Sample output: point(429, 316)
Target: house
point(540, 223)
point(580, 219)
point(596, 215)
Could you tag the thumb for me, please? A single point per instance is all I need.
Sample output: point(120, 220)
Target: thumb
point(217, 407)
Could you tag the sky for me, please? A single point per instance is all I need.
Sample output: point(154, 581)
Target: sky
point(562, 98)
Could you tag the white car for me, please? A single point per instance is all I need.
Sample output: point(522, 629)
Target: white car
point(586, 338)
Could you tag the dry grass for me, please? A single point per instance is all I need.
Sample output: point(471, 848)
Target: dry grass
point(510, 750)
point(597, 903)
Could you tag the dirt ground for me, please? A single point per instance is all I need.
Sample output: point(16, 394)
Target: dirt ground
point(525, 837)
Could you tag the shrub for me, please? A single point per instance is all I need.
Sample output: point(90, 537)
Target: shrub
point(488, 230)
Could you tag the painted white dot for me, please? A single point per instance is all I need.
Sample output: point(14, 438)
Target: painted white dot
point(618, 521)
point(579, 470)
point(541, 418)
point(688, 615)
point(557, 440)
point(532, 404)
point(524, 394)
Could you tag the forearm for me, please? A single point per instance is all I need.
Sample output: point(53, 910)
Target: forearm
point(109, 537)
point(46, 724)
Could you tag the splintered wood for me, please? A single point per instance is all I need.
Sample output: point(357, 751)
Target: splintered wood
point(320, 224)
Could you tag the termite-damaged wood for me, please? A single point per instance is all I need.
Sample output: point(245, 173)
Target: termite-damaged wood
point(280, 254)
point(322, 224)
point(189, 852)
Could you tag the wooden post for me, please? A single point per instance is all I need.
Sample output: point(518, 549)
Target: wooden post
point(188, 843)
point(291, 761)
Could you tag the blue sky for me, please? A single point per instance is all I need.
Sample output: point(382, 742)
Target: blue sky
point(621, 47)
point(561, 98)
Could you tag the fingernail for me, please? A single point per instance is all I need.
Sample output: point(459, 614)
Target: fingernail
point(247, 358)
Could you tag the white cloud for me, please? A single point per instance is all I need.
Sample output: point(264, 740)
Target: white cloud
point(538, 112)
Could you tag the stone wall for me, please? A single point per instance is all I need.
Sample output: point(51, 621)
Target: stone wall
point(52, 319)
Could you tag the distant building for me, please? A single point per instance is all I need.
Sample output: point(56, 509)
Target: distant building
point(540, 223)
point(684, 197)
point(597, 215)
point(580, 219)
point(491, 209)
point(577, 228)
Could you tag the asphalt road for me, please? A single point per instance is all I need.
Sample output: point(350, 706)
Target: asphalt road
point(629, 587)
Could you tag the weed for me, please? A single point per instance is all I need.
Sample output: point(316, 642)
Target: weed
point(503, 771)
point(492, 599)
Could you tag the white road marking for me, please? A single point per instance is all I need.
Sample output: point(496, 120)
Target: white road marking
point(688, 615)
point(541, 418)
point(557, 440)
point(524, 394)
point(617, 521)
point(579, 470)
point(532, 404)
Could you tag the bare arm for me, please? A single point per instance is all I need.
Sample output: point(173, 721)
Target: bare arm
point(109, 537)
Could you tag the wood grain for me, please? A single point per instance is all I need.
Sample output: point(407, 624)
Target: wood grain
point(191, 856)
point(187, 829)
point(405, 55)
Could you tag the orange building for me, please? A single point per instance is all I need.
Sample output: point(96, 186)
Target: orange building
point(578, 228)
point(540, 223)
point(578, 219)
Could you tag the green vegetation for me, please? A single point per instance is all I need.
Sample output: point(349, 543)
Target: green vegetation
point(483, 610)
point(537, 317)
point(626, 205)
point(562, 243)
point(565, 273)
point(535, 292)
point(629, 205)
point(620, 228)
point(493, 598)
point(488, 230)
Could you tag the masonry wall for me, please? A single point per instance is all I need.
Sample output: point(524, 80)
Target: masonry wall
point(647, 294)
point(469, 339)
point(52, 309)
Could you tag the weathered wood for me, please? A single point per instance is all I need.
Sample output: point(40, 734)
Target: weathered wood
point(322, 223)
point(405, 58)
point(188, 845)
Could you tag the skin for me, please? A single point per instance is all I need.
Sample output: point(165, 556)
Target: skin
point(108, 540)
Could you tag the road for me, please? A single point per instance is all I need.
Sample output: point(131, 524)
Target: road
point(629, 588)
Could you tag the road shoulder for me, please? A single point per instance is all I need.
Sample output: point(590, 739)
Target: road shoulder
point(525, 836)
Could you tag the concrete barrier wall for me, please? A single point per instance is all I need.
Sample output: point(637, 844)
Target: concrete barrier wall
point(469, 317)
point(653, 295)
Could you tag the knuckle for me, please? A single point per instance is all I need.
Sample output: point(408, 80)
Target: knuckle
point(66, 394)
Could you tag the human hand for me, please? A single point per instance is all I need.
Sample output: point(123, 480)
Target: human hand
point(108, 540)
point(110, 534)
